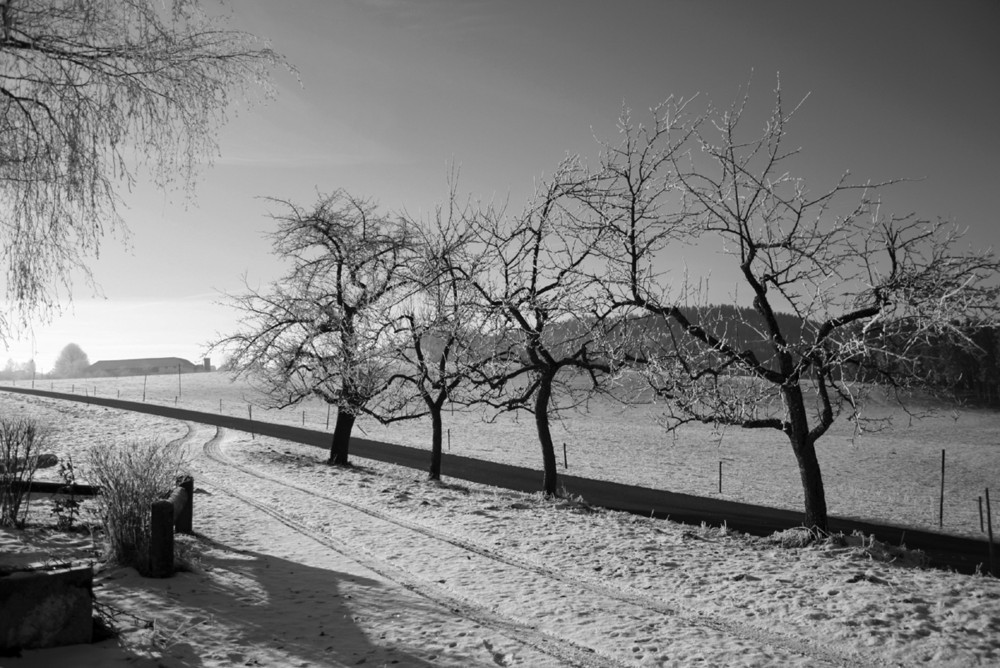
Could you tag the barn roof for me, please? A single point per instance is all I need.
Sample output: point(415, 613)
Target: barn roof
point(140, 363)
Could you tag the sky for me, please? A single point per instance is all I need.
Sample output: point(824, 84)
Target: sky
point(390, 93)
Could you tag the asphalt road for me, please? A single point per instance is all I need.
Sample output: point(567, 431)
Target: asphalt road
point(944, 551)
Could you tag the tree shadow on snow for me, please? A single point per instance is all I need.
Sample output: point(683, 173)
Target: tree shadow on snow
point(255, 609)
point(309, 613)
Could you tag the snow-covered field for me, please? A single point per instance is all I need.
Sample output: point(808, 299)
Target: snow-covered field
point(300, 564)
point(892, 476)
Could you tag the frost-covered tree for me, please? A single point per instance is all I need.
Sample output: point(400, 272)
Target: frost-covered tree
point(870, 295)
point(547, 332)
point(440, 345)
point(71, 362)
point(325, 329)
point(90, 94)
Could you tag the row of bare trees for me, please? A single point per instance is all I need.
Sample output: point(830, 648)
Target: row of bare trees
point(583, 293)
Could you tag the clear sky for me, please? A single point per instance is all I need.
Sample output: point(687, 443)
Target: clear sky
point(393, 91)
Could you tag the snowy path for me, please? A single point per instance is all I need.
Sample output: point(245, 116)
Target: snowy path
point(575, 620)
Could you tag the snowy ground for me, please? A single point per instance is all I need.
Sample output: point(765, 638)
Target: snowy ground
point(889, 476)
point(299, 564)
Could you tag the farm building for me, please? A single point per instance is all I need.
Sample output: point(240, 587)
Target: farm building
point(150, 366)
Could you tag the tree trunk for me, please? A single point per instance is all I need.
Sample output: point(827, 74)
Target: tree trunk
point(435, 471)
point(550, 480)
point(805, 454)
point(341, 438)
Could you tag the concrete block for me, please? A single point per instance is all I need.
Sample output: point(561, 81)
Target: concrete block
point(46, 608)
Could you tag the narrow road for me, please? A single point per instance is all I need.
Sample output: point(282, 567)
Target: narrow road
point(964, 555)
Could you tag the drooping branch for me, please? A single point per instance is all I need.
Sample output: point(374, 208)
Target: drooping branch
point(90, 94)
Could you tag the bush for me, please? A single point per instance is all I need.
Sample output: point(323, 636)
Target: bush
point(131, 478)
point(20, 441)
point(66, 508)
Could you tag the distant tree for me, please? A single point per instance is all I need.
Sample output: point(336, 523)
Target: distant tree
point(71, 362)
point(90, 92)
point(869, 294)
point(325, 329)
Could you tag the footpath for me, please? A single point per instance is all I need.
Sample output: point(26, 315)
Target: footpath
point(944, 550)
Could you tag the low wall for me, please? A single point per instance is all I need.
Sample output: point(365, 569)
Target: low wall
point(46, 608)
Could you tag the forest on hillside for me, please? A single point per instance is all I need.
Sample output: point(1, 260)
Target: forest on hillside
point(966, 373)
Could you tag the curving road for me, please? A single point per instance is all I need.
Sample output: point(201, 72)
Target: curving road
point(944, 551)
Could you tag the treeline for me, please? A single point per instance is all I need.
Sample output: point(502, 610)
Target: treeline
point(970, 372)
point(964, 367)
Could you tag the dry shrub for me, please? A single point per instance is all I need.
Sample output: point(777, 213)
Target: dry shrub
point(868, 547)
point(857, 546)
point(131, 478)
point(20, 441)
point(795, 537)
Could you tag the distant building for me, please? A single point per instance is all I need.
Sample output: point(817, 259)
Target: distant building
point(142, 367)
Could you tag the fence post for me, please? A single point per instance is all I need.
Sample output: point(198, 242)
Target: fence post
point(941, 506)
point(161, 539)
point(989, 535)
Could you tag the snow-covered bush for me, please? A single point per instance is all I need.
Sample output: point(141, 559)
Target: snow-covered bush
point(20, 441)
point(131, 478)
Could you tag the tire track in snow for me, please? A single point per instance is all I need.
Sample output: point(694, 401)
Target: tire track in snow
point(816, 653)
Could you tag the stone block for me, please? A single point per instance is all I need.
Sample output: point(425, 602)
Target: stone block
point(46, 608)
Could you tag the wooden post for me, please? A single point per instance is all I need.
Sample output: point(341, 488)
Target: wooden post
point(989, 534)
point(565, 457)
point(720, 476)
point(250, 413)
point(144, 387)
point(981, 528)
point(161, 540)
point(184, 521)
point(941, 506)
point(303, 418)
point(328, 417)
point(449, 439)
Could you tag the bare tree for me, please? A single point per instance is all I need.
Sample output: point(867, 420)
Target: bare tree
point(441, 347)
point(89, 93)
point(546, 324)
point(71, 362)
point(868, 293)
point(325, 329)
